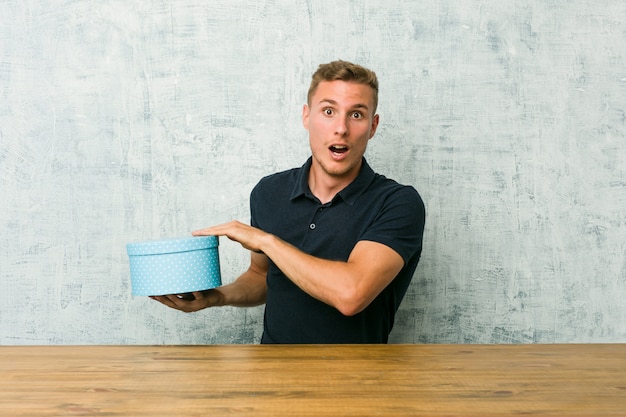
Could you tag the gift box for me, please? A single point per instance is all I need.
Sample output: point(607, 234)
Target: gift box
point(174, 266)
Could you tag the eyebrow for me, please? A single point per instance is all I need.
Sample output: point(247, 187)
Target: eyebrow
point(333, 102)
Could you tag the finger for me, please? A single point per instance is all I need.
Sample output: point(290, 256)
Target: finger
point(165, 300)
point(181, 302)
point(210, 231)
point(219, 229)
point(197, 295)
point(188, 296)
point(201, 232)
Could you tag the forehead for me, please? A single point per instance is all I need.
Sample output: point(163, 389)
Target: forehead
point(343, 92)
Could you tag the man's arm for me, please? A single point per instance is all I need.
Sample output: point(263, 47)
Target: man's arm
point(248, 290)
point(348, 286)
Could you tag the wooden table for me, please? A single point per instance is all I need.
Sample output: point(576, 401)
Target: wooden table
point(323, 380)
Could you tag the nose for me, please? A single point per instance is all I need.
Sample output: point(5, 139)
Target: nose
point(341, 127)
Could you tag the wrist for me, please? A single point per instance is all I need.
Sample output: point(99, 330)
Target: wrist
point(268, 243)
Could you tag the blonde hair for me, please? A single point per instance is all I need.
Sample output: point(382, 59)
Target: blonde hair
point(344, 71)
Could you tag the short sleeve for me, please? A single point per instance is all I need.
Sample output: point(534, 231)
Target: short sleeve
point(400, 223)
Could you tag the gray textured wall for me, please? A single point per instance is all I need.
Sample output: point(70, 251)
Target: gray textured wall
point(131, 120)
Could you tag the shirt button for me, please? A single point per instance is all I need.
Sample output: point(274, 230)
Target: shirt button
point(312, 226)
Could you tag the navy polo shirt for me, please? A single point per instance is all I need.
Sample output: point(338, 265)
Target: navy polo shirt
point(371, 208)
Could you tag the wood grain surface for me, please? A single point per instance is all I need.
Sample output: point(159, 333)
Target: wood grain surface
point(306, 380)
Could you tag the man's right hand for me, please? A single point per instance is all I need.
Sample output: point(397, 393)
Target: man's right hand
point(191, 302)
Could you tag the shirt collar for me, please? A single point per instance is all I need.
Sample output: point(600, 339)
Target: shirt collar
point(349, 194)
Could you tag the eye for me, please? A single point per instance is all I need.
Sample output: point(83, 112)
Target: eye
point(357, 115)
point(328, 111)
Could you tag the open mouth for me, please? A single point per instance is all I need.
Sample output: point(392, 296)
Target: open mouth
point(338, 149)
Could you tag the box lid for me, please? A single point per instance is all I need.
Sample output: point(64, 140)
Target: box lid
point(154, 247)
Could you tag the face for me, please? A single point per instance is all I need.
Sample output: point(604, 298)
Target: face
point(340, 119)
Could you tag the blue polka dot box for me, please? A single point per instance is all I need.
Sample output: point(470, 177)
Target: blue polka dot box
point(174, 266)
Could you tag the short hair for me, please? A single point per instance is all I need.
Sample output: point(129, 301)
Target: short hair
point(344, 71)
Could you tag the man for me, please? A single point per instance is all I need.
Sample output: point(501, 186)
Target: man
point(333, 244)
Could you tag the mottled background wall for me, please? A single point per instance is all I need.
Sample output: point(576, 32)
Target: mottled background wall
point(130, 120)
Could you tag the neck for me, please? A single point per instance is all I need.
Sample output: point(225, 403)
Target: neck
point(325, 186)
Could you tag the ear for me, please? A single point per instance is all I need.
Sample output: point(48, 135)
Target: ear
point(375, 121)
point(305, 116)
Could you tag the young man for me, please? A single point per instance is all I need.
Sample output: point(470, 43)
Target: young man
point(333, 244)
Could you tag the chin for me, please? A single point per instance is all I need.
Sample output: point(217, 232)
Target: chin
point(341, 169)
point(336, 169)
